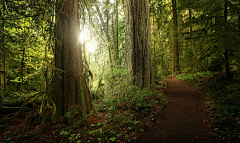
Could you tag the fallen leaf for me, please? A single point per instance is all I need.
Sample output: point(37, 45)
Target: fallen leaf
point(36, 127)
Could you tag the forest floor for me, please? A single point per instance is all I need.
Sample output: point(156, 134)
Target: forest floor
point(184, 120)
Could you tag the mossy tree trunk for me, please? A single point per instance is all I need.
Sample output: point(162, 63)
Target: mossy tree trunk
point(138, 42)
point(70, 86)
point(3, 55)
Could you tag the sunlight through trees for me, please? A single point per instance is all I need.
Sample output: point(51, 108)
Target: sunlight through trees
point(95, 70)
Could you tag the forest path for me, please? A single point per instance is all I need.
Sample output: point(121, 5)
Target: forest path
point(184, 120)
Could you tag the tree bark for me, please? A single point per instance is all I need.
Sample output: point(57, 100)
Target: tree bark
point(138, 42)
point(192, 45)
point(69, 90)
point(175, 60)
point(116, 24)
point(3, 68)
point(129, 40)
point(226, 53)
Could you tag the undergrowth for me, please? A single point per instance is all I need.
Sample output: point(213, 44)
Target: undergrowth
point(125, 112)
point(195, 77)
point(222, 102)
point(120, 118)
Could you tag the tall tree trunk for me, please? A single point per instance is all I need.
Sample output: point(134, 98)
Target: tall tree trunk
point(138, 42)
point(69, 90)
point(226, 54)
point(129, 38)
point(3, 60)
point(192, 45)
point(3, 69)
point(116, 25)
point(114, 37)
point(175, 60)
point(154, 45)
point(238, 12)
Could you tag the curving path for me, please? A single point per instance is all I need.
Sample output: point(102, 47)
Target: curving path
point(184, 120)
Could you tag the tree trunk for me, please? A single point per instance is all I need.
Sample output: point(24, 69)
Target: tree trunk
point(3, 69)
point(226, 53)
point(175, 60)
point(192, 45)
point(116, 25)
point(154, 46)
point(3, 61)
point(138, 42)
point(238, 12)
point(70, 88)
point(238, 19)
point(129, 40)
point(114, 38)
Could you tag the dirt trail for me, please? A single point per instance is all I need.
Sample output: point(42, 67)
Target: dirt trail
point(184, 120)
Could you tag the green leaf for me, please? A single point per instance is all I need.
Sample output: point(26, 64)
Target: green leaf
point(112, 139)
point(225, 112)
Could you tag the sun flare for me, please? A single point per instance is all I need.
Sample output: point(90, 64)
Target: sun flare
point(89, 41)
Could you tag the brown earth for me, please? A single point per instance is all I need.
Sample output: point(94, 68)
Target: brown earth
point(184, 120)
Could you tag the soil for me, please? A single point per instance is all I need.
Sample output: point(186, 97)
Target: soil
point(184, 120)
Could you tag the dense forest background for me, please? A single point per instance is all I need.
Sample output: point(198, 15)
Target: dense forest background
point(64, 61)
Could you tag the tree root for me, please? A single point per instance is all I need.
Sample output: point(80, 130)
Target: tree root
point(21, 109)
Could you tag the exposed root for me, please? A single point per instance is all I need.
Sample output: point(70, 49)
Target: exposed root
point(22, 108)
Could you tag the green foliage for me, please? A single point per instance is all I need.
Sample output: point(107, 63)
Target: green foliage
point(26, 50)
point(106, 104)
point(121, 128)
point(130, 100)
point(161, 36)
point(7, 140)
point(74, 138)
point(207, 35)
point(134, 99)
point(225, 118)
point(195, 77)
point(64, 133)
point(142, 100)
point(223, 105)
point(16, 100)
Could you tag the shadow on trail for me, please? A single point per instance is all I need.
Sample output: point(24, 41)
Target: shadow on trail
point(184, 120)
